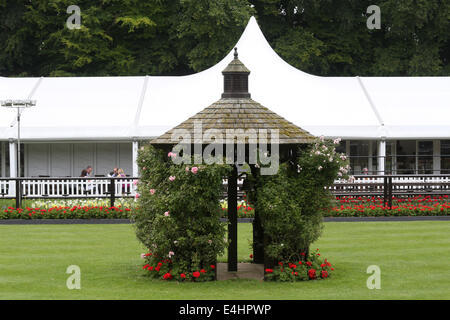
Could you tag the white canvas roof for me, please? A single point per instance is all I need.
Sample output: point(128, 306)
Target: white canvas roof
point(124, 108)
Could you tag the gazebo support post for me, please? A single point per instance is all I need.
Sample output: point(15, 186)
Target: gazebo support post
point(232, 221)
point(258, 232)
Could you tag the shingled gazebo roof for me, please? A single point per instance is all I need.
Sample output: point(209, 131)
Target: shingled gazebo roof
point(236, 110)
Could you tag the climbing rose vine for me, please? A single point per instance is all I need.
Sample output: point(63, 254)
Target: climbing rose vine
point(176, 219)
point(291, 203)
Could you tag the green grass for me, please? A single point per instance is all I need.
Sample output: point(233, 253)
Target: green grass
point(414, 259)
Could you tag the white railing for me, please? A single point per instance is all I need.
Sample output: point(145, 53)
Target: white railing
point(69, 188)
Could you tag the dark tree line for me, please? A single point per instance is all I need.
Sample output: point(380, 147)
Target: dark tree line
point(176, 37)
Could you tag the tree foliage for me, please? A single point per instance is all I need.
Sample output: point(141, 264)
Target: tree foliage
point(177, 37)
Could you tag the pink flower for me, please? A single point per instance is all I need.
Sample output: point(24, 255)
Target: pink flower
point(172, 155)
point(171, 253)
point(194, 170)
point(152, 191)
point(143, 256)
point(172, 178)
point(187, 169)
point(137, 196)
point(167, 214)
point(135, 182)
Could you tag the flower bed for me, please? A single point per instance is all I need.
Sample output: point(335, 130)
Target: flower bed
point(374, 207)
point(167, 270)
point(244, 210)
point(75, 212)
point(307, 268)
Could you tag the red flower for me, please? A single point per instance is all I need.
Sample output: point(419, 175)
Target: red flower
point(269, 271)
point(146, 266)
point(280, 263)
point(324, 274)
point(312, 274)
point(167, 276)
point(251, 256)
point(182, 276)
point(196, 274)
point(212, 266)
point(309, 264)
point(203, 271)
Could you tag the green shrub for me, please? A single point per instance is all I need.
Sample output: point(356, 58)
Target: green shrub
point(177, 216)
point(290, 203)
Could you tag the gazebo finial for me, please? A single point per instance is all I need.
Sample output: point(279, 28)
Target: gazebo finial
point(236, 79)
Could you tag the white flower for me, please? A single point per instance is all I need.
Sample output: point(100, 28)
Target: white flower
point(320, 168)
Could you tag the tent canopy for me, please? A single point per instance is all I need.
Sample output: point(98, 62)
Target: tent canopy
point(126, 108)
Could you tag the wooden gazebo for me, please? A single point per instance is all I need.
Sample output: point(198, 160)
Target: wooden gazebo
point(236, 110)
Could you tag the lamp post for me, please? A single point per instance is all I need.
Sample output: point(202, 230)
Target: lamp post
point(19, 105)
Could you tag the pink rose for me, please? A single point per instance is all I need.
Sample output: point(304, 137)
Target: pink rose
point(194, 170)
point(137, 196)
point(167, 214)
point(152, 191)
point(172, 178)
point(172, 155)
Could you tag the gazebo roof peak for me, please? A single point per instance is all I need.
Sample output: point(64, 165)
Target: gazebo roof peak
point(236, 66)
point(237, 111)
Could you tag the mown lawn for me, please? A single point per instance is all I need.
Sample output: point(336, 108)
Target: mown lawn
point(413, 256)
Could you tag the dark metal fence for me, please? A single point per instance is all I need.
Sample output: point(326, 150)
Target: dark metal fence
point(388, 186)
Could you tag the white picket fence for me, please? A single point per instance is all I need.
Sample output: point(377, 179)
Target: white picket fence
point(73, 188)
point(67, 188)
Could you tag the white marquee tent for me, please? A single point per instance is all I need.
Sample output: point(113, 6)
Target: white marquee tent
point(134, 108)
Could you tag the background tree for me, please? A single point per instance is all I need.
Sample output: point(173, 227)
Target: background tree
point(178, 37)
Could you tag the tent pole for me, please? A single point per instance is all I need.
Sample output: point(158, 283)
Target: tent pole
point(381, 156)
point(135, 148)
